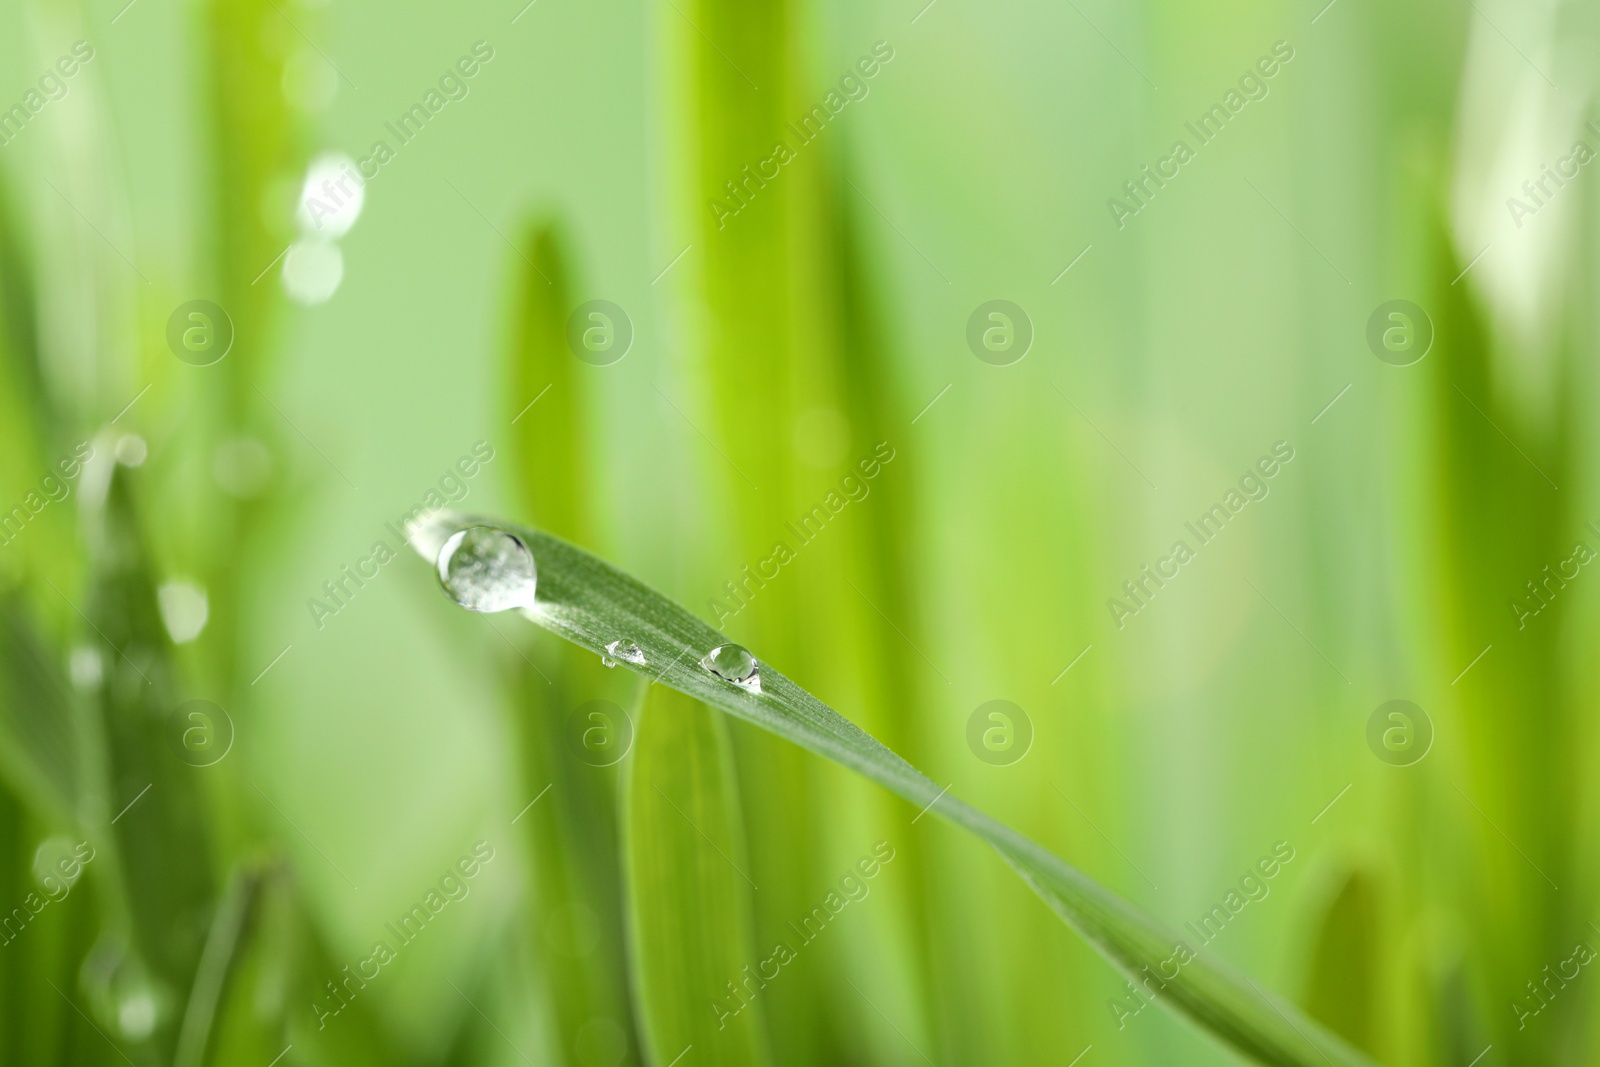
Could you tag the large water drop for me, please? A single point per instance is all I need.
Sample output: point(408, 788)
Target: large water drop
point(487, 569)
point(734, 663)
point(623, 652)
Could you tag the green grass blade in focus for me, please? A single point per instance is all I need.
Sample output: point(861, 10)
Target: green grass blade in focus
point(687, 889)
point(571, 832)
point(591, 604)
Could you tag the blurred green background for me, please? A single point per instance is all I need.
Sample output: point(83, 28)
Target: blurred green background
point(1422, 544)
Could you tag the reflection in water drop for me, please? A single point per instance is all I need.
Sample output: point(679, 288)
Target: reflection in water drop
point(487, 569)
point(734, 663)
point(623, 652)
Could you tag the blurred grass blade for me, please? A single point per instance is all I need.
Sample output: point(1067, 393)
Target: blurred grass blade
point(688, 893)
point(19, 327)
point(38, 746)
point(37, 1023)
point(154, 820)
point(229, 927)
point(591, 603)
point(1342, 984)
point(547, 430)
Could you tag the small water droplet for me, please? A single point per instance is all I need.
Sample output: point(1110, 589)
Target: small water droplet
point(131, 450)
point(136, 1014)
point(734, 663)
point(57, 865)
point(184, 609)
point(325, 209)
point(487, 569)
point(623, 652)
point(312, 271)
point(86, 667)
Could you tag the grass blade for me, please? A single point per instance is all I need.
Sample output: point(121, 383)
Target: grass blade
point(572, 835)
point(546, 417)
point(1342, 982)
point(229, 928)
point(150, 816)
point(38, 744)
point(688, 893)
point(591, 603)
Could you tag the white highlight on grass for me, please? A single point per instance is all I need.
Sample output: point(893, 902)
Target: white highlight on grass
point(532, 402)
point(1073, 664)
point(932, 402)
point(1474, 663)
point(1332, 402)
point(1474, 263)
point(132, 802)
point(132, 402)
point(932, 802)
point(1074, 263)
point(1331, 803)
point(532, 802)
point(674, 263)
point(273, 664)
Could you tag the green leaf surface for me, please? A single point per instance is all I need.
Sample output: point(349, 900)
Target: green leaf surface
point(230, 926)
point(1342, 980)
point(38, 743)
point(591, 603)
point(154, 827)
point(574, 903)
point(689, 890)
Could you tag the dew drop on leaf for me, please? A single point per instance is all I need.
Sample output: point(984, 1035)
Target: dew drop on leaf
point(484, 568)
point(734, 663)
point(623, 652)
